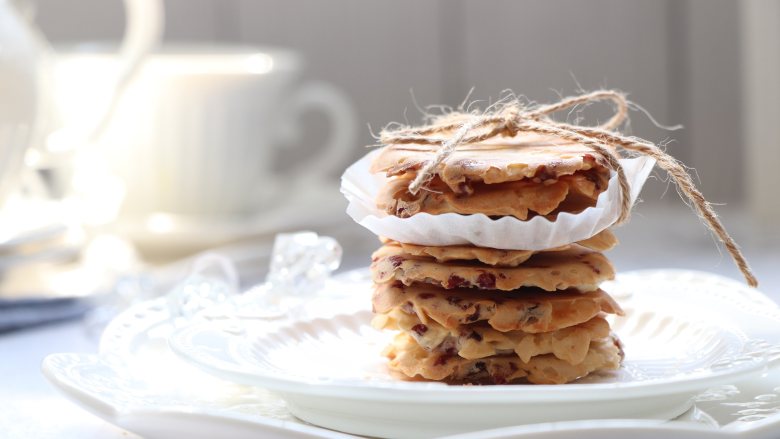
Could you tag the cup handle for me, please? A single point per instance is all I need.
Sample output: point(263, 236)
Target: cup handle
point(143, 31)
point(331, 156)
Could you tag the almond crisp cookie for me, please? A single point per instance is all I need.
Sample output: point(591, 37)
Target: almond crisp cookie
point(557, 270)
point(411, 360)
point(526, 176)
point(480, 340)
point(601, 242)
point(529, 310)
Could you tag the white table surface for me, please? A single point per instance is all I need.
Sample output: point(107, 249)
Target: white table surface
point(31, 408)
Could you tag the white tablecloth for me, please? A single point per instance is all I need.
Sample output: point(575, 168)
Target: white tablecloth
point(29, 406)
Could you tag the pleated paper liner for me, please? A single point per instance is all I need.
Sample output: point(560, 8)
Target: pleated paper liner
point(360, 187)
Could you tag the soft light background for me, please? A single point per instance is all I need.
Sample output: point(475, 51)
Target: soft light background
point(706, 64)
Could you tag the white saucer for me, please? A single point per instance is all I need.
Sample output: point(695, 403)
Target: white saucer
point(116, 386)
point(172, 235)
point(25, 221)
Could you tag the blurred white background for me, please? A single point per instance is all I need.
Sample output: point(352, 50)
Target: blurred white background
point(681, 60)
point(700, 63)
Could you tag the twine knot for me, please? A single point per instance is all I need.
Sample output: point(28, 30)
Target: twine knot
point(510, 124)
point(510, 117)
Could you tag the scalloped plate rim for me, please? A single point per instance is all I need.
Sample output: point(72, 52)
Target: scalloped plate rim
point(118, 414)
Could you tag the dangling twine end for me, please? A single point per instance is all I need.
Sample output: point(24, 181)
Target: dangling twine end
point(752, 281)
point(420, 181)
point(509, 116)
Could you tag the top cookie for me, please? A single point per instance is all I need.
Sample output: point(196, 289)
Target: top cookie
point(526, 155)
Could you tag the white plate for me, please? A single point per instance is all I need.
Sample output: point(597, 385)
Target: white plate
point(136, 401)
point(331, 373)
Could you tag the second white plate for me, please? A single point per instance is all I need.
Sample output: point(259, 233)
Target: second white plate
point(331, 373)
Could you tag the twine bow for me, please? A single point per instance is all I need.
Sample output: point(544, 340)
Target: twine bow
point(509, 118)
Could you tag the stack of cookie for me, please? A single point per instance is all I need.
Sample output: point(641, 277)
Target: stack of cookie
point(483, 315)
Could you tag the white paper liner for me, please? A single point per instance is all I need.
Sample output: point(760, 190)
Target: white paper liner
point(361, 188)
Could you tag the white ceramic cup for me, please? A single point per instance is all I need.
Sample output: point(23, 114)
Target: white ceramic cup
point(196, 132)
